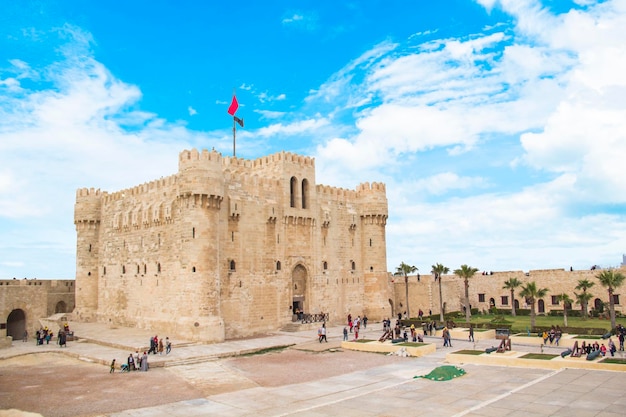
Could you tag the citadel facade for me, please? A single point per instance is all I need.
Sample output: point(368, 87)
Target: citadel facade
point(229, 247)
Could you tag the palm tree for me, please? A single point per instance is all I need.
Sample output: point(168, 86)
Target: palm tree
point(611, 280)
point(566, 301)
point(583, 299)
point(439, 270)
point(466, 272)
point(404, 270)
point(512, 284)
point(531, 293)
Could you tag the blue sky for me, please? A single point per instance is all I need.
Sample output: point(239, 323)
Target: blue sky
point(499, 126)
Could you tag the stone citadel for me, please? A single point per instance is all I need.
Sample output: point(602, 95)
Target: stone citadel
point(229, 247)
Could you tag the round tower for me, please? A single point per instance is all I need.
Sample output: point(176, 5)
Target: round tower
point(373, 211)
point(200, 173)
point(87, 214)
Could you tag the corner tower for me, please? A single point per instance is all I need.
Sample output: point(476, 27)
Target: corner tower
point(373, 211)
point(87, 215)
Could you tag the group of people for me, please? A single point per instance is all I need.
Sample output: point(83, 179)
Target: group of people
point(587, 348)
point(46, 335)
point(554, 335)
point(354, 326)
point(158, 345)
point(139, 362)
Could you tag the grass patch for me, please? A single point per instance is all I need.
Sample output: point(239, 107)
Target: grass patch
point(411, 344)
point(481, 330)
point(469, 352)
point(541, 356)
point(363, 340)
point(267, 350)
point(614, 360)
point(588, 337)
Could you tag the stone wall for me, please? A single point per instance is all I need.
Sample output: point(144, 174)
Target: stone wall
point(24, 302)
point(424, 293)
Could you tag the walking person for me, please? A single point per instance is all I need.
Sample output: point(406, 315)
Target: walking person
point(471, 333)
point(345, 334)
point(112, 367)
point(168, 346)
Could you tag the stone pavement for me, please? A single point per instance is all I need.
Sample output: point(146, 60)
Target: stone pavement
point(389, 390)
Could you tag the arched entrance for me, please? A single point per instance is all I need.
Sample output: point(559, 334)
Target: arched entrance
point(61, 307)
point(298, 288)
point(16, 324)
point(541, 307)
point(516, 302)
point(598, 305)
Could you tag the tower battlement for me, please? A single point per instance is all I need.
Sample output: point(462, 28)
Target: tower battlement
point(87, 206)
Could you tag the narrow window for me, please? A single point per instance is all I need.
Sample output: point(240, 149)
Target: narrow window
point(292, 190)
point(305, 193)
point(104, 270)
point(123, 269)
point(353, 265)
point(370, 242)
point(278, 266)
point(193, 232)
point(137, 268)
point(90, 247)
point(232, 265)
point(325, 265)
point(616, 299)
point(193, 269)
point(232, 236)
point(159, 268)
point(145, 268)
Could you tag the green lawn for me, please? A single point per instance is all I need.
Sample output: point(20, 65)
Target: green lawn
point(521, 324)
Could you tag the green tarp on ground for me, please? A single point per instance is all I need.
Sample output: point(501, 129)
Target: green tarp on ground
point(443, 373)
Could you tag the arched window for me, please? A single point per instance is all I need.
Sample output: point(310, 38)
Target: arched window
point(293, 186)
point(305, 193)
point(232, 265)
point(353, 265)
point(193, 269)
point(325, 265)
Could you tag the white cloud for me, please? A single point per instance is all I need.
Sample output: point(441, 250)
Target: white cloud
point(192, 111)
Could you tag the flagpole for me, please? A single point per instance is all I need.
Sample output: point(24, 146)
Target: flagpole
point(234, 130)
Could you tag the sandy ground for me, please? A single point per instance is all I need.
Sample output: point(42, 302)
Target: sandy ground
point(56, 386)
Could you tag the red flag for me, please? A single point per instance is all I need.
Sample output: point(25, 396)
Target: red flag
point(233, 106)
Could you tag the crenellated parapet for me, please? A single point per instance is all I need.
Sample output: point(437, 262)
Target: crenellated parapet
point(87, 206)
point(200, 173)
point(373, 201)
point(335, 193)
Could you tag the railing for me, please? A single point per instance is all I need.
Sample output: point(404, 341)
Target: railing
point(314, 318)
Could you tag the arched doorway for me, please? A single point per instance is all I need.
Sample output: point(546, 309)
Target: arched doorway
point(516, 302)
point(298, 288)
point(61, 307)
point(541, 306)
point(598, 305)
point(16, 324)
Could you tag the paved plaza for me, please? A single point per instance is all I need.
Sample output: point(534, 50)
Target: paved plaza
point(387, 390)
